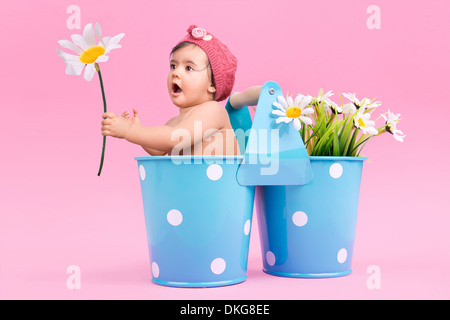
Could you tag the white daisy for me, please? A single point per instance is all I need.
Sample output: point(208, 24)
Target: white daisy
point(324, 97)
point(355, 103)
point(348, 108)
point(324, 100)
point(289, 110)
point(88, 51)
point(391, 125)
point(362, 121)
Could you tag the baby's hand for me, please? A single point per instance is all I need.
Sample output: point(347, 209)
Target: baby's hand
point(116, 126)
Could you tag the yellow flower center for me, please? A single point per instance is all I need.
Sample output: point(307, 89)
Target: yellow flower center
point(361, 123)
point(293, 112)
point(91, 54)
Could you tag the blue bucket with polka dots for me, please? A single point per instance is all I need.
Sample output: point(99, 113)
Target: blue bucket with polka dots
point(198, 219)
point(308, 231)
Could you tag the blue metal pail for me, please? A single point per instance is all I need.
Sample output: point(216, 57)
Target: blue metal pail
point(198, 219)
point(308, 231)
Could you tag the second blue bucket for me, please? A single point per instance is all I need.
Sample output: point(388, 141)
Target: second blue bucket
point(308, 231)
point(198, 219)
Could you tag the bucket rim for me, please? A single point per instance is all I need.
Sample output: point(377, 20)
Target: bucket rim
point(338, 158)
point(241, 157)
point(204, 157)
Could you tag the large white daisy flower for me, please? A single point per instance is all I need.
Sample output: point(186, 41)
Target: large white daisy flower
point(88, 51)
point(289, 110)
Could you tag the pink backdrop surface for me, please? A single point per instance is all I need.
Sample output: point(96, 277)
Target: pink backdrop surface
point(55, 211)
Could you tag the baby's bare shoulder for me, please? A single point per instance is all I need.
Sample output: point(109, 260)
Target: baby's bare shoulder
point(211, 113)
point(172, 121)
point(212, 109)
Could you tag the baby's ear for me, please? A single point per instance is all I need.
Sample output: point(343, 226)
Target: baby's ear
point(211, 89)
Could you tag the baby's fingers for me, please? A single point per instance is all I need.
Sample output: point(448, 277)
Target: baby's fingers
point(126, 114)
point(109, 115)
point(106, 122)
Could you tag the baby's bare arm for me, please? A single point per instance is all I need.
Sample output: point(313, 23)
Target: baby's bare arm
point(203, 122)
point(154, 152)
point(248, 97)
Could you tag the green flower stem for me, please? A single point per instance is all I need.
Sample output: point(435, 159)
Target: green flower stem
point(359, 143)
point(382, 130)
point(104, 110)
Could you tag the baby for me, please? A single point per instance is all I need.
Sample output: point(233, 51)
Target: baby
point(202, 72)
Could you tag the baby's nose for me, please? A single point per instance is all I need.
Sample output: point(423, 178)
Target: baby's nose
point(175, 74)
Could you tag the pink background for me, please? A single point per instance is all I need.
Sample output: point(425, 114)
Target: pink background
point(56, 212)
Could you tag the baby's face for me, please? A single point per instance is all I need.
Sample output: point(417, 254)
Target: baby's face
point(189, 79)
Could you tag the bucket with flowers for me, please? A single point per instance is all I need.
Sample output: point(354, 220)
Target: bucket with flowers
point(307, 228)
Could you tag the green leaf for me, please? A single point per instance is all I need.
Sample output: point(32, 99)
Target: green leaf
point(336, 149)
point(352, 142)
point(360, 142)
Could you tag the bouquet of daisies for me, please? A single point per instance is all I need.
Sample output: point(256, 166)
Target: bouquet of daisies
point(331, 129)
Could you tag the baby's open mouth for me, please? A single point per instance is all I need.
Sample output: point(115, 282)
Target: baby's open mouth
point(176, 88)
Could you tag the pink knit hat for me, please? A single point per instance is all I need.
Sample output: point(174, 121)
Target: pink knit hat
point(223, 62)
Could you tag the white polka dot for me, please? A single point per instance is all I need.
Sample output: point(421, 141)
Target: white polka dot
point(342, 255)
point(155, 270)
point(214, 172)
point(299, 218)
point(174, 217)
point(336, 170)
point(247, 226)
point(207, 37)
point(142, 172)
point(218, 266)
point(270, 258)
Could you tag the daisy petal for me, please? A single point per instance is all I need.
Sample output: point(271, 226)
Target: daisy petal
point(279, 113)
point(98, 32)
point(306, 120)
point(279, 106)
point(297, 124)
point(283, 119)
point(102, 58)
point(351, 97)
point(73, 65)
point(328, 94)
point(283, 102)
point(67, 56)
point(74, 68)
point(89, 35)
point(89, 72)
point(305, 101)
point(69, 45)
point(298, 99)
point(308, 111)
point(372, 130)
point(398, 137)
point(290, 101)
point(106, 40)
point(349, 108)
point(370, 123)
point(79, 41)
point(113, 43)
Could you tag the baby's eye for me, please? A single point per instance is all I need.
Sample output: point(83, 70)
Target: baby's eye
point(189, 68)
point(172, 66)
